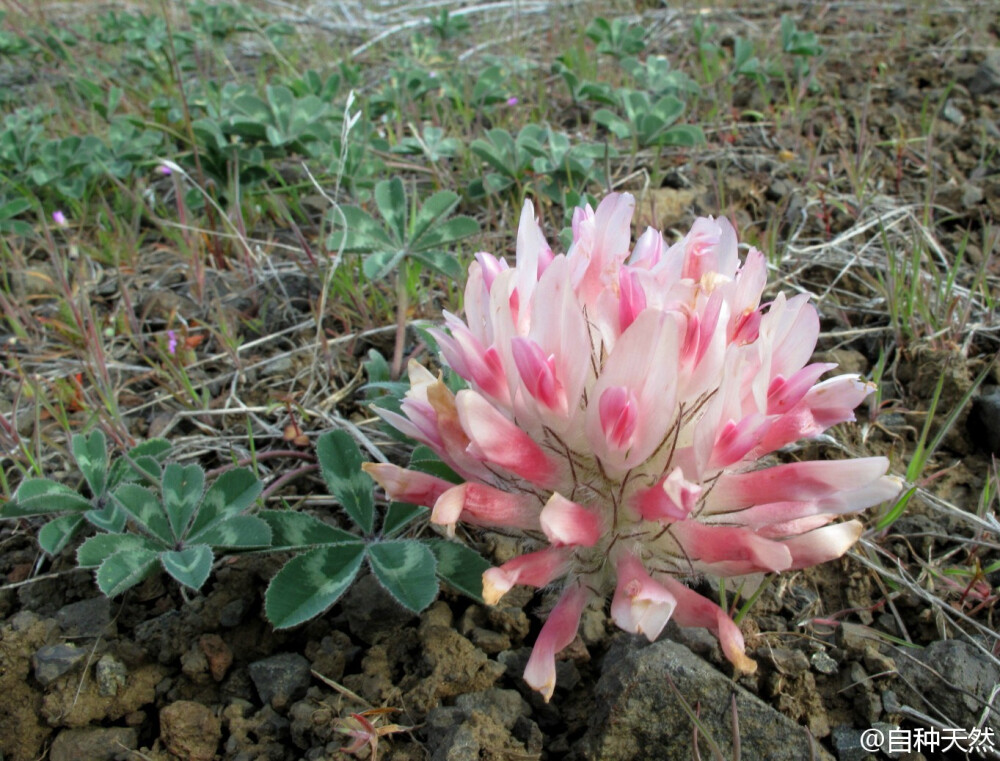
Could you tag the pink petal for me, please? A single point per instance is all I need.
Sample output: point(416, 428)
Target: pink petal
point(466, 356)
point(419, 423)
point(407, 485)
point(538, 372)
point(496, 440)
point(535, 569)
point(533, 252)
point(644, 361)
point(823, 544)
point(833, 401)
point(583, 224)
point(694, 610)
point(533, 255)
point(568, 523)
point(710, 247)
point(483, 505)
point(599, 251)
point(671, 499)
point(785, 393)
point(746, 329)
point(794, 481)
point(559, 327)
point(730, 550)
point(613, 223)
point(477, 299)
point(794, 334)
point(640, 605)
point(705, 349)
point(454, 442)
point(632, 298)
point(619, 410)
point(708, 324)
point(736, 440)
point(750, 282)
point(828, 403)
point(648, 249)
point(491, 267)
point(780, 519)
point(557, 632)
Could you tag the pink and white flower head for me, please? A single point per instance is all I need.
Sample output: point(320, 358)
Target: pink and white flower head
point(620, 406)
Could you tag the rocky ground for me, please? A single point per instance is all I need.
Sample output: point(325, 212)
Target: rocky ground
point(902, 633)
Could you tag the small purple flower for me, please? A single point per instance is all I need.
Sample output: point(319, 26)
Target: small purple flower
point(164, 170)
point(172, 342)
point(512, 100)
point(59, 218)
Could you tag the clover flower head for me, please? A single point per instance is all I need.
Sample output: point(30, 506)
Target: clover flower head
point(621, 404)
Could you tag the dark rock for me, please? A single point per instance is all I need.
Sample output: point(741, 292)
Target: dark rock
point(52, 661)
point(163, 637)
point(632, 690)
point(478, 722)
point(87, 618)
point(93, 744)
point(190, 730)
point(237, 685)
point(986, 79)
point(984, 421)
point(949, 678)
point(848, 745)
point(233, 613)
point(371, 610)
point(281, 679)
point(504, 706)
point(515, 661)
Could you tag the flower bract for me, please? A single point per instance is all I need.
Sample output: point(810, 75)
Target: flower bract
point(622, 406)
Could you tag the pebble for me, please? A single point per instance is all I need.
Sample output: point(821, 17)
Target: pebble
point(87, 618)
point(788, 661)
point(984, 421)
point(281, 679)
point(951, 113)
point(823, 663)
point(233, 613)
point(370, 609)
point(637, 714)
point(93, 744)
point(489, 641)
point(971, 195)
point(986, 78)
point(190, 730)
point(53, 661)
point(218, 655)
point(855, 639)
point(847, 744)
point(110, 675)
